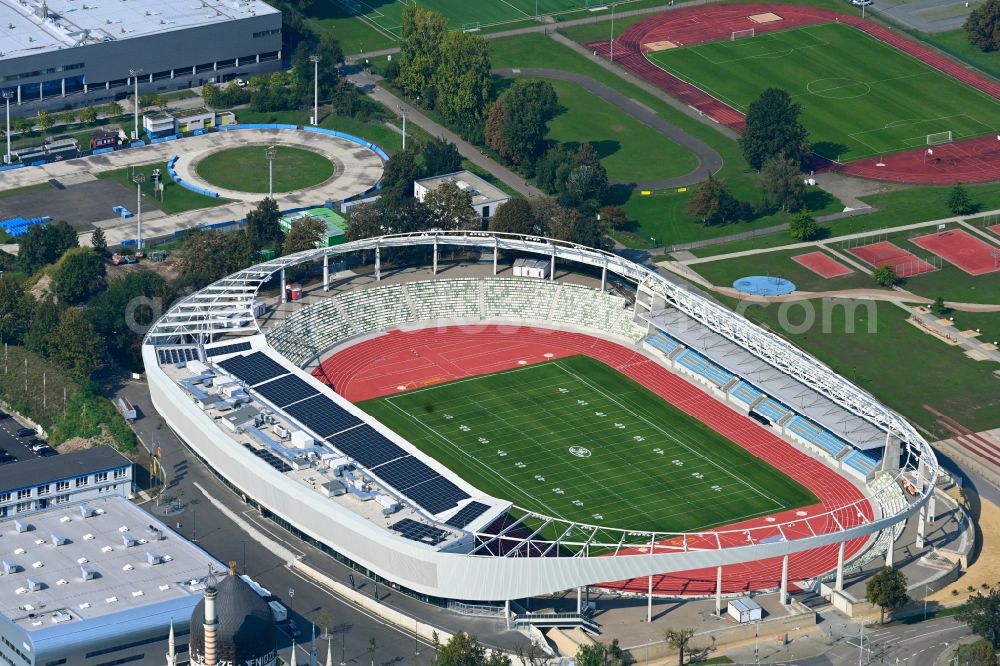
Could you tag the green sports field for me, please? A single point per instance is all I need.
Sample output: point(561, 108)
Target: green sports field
point(575, 439)
point(387, 17)
point(859, 96)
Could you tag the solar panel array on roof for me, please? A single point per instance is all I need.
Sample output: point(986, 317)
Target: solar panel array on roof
point(414, 531)
point(253, 368)
point(322, 415)
point(227, 349)
point(405, 473)
point(467, 514)
point(176, 356)
point(271, 459)
point(437, 494)
point(285, 390)
point(367, 446)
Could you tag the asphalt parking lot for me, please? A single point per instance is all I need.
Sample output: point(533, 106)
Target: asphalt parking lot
point(15, 446)
point(80, 204)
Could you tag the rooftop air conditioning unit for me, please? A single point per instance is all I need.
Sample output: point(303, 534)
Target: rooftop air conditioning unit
point(59, 540)
point(86, 573)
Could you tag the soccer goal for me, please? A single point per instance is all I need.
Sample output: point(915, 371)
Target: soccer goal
point(938, 138)
point(471, 27)
point(741, 34)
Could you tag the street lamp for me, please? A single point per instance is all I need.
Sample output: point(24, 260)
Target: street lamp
point(138, 178)
point(270, 153)
point(403, 110)
point(8, 95)
point(314, 59)
point(134, 73)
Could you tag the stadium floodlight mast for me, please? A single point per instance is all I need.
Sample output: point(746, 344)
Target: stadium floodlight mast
point(7, 95)
point(134, 73)
point(270, 153)
point(403, 110)
point(138, 178)
point(314, 59)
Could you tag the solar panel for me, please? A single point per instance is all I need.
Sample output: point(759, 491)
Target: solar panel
point(174, 356)
point(285, 390)
point(253, 368)
point(404, 473)
point(467, 514)
point(322, 415)
point(227, 349)
point(367, 446)
point(437, 495)
point(414, 531)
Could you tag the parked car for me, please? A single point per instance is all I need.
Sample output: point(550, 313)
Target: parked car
point(6, 459)
point(4, 415)
point(26, 432)
point(47, 451)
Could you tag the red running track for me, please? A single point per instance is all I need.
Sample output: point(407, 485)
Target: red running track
point(410, 359)
point(970, 160)
point(972, 255)
point(822, 264)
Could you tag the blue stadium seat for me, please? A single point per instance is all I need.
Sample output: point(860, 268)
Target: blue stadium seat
point(772, 410)
point(702, 366)
point(814, 434)
point(863, 462)
point(662, 343)
point(745, 393)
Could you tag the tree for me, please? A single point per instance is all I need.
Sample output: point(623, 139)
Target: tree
point(440, 157)
point(451, 208)
point(123, 312)
point(87, 115)
point(13, 317)
point(516, 217)
point(112, 109)
point(982, 27)
point(306, 233)
point(571, 225)
point(614, 216)
point(585, 187)
point(400, 173)
point(210, 95)
point(774, 128)
point(713, 203)
point(463, 82)
point(781, 184)
point(419, 53)
point(78, 275)
point(210, 255)
point(21, 125)
point(44, 120)
point(263, 228)
point(75, 344)
point(679, 639)
point(598, 654)
point(44, 317)
point(959, 202)
point(364, 221)
point(982, 613)
point(980, 653)
point(803, 227)
point(464, 650)
point(43, 244)
point(887, 590)
point(518, 122)
point(938, 307)
point(98, 241)
point(886, 275)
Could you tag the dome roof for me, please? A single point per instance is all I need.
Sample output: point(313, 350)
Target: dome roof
point(245, 633)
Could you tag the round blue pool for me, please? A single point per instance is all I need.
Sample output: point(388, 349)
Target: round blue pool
point(764, 285)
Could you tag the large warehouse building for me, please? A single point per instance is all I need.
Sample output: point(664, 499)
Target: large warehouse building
point(58, 54)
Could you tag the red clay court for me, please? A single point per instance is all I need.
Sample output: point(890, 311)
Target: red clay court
point(402, 360)
point(975, 160)
point(972, 255)
point(884, 252)
point(995, 229)
point(822, 264)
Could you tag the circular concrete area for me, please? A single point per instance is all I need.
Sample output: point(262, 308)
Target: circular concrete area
point(355, 168)
point(248, 169)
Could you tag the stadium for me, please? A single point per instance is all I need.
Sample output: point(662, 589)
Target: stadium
point(485, 417)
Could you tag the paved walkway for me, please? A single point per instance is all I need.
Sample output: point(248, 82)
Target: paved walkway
point(709, 161)
point(947, 330)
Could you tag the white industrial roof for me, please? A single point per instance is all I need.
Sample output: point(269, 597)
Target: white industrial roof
point(47, 586)
point(482, 192)
point(27, 29)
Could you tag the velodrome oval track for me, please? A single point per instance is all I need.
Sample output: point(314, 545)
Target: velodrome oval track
point(380, 366)
point(969, 160)
point(709, 161)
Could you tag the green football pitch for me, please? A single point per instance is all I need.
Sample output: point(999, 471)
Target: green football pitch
point(575, 439)
point(388, 16)
point(859, 96)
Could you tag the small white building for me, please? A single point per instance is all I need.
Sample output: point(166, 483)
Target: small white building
point(486, 198)
point(744, 609)
point(533, 268)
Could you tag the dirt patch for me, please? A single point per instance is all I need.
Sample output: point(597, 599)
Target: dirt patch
point(41, 288)
point(986, 567)
point(168, 268)
point(766, 17)
point(664, 45)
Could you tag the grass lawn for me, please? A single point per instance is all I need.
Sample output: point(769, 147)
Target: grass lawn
point(900, 364)
point(850, 109)
point(629, 150)
point(662, 215)
point(987, 322)
point(375, 132)
point(176, 199)
point(575, 439)
point(780, 264)
point(37, 187)
point(956, 44)
point(242, 169)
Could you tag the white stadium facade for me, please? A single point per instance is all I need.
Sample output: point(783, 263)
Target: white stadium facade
point(220, 379)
